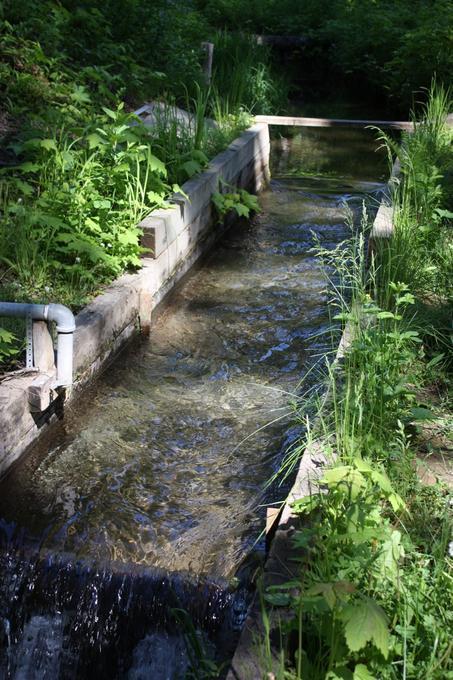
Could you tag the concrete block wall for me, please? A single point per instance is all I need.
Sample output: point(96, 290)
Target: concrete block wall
point(177, 237)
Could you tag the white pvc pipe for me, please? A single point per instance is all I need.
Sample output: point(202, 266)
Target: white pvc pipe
point(65, 323)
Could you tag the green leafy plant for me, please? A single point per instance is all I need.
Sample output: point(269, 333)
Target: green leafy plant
point(240, 201)
point(74, 204)
point(8, 346)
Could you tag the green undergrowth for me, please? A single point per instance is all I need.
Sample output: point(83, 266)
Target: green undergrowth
point(77, 170)
point(374, 588)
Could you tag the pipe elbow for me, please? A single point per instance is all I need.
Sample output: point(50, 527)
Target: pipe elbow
point(62, 316)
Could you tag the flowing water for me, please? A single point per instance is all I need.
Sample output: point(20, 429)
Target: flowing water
point(151, 490)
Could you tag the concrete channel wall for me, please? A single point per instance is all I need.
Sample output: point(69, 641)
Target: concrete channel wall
point(176, 237)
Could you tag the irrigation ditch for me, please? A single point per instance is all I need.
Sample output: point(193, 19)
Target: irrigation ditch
point(223, 328)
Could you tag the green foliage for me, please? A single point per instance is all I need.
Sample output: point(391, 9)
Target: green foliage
point(243, 75)
point(71, 208)
point(185, 143)
point(136, 47)
point(420, 253)
point(8, 346)
point(393, 47)
point(79, 171)
point(240, 201)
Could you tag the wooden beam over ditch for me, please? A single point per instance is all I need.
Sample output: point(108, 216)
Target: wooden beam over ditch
point(334, 122)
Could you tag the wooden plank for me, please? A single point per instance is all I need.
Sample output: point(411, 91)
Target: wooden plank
point(333, 122)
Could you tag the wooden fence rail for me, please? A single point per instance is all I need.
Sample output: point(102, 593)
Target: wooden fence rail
point(334, 122)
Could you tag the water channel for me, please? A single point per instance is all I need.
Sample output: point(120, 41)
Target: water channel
point(150, 494)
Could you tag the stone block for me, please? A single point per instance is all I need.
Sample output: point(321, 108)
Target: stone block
point(41, 393)
point(98, 324)
point(383, 224)
point(160, 229)
point(145, 309)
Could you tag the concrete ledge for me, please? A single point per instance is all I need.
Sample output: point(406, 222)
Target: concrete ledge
point(383, 222)
point(178, 237)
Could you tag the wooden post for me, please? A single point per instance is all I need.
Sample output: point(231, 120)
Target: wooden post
point(207, 66)
point(43, 352)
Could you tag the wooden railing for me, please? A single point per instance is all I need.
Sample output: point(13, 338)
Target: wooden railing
point(334, 122)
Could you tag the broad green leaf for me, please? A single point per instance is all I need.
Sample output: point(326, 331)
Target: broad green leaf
point(191, 168)
point(48, 144)
point(80, 95)
point(381, 479)
point(29, 167)
point(91, 224)
point(102, 203)
point(365, 535)
point(396, 502)
point(366, 622)
point(111, 114)
point(94, 140)
point(445, 214)
point(249, 200)
point(361, 672)
point(178, 190)
point(332, 592)
point(154, 197)
point(156, 165)
point(305, 504)
point(386, 315)
point(345, 474)
point(242, 210)
point(24, 187)
point(390, 555)
point(340, 673)
point(6, 336)
point(326, 590)
point(363, 465)
point(127, 238)
point(217, 199)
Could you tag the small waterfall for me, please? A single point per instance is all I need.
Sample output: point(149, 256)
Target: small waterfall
point(68, 619)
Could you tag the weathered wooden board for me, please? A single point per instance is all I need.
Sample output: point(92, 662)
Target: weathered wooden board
point(333, 122)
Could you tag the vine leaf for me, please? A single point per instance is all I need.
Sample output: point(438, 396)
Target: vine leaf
point(365, 621)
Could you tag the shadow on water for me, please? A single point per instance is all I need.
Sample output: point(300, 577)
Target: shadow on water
point(158, 474)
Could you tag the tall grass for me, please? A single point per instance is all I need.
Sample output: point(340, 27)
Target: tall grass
point(373, 594)
point(185, 140)
point(243, 77)
point(420, 252)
